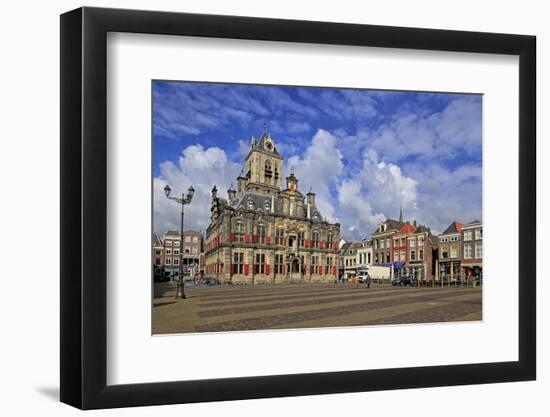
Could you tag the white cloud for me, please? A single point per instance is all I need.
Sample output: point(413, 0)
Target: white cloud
point(373, 193)
point(320, 167)
point(201, 168)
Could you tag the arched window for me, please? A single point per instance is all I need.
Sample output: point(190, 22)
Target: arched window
point(267, 205)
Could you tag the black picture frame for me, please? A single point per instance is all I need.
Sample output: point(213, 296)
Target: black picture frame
point(84, 207)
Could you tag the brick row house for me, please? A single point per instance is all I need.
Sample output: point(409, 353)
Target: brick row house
point(414, 252)
point(262, 233)
point(472, 250)
point(450, 252)
point(173, 249)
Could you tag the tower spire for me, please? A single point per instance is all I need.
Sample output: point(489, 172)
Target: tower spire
point(401, 214)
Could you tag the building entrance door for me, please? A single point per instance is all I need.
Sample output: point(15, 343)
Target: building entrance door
point(295, 273)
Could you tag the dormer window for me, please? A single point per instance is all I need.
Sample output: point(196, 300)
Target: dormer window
point(250, 204)
point(267, 205)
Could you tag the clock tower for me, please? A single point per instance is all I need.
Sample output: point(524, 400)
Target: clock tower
point(263, 166)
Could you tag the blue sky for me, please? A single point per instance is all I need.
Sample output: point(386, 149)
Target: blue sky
point(363, 152)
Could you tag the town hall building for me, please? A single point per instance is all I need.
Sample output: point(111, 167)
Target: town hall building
point(264, 233)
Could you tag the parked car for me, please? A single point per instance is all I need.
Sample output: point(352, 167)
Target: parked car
point(402, 281)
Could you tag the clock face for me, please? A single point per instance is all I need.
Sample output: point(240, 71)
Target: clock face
point(269, 145)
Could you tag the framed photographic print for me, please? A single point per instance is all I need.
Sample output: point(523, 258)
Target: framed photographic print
point(257, 208)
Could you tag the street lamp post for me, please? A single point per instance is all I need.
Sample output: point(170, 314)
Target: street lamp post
point(180, 293)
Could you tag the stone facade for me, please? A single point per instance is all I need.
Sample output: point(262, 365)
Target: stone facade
point(262, 233)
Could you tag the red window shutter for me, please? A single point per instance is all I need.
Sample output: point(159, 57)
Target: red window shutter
point(334, 246)
point(245, 238)
point(321, 245)
point(246, 269)
point(311, 269)
point(307, 243)
point(268, 240)
point(232, 269)
point(334, 270)
point(304, 269)
point(255, 238)
point(232, 237)
point(267, 269)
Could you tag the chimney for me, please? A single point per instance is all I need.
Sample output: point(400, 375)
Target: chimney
point(310, 203)
point(414, 223)
point(310, 198)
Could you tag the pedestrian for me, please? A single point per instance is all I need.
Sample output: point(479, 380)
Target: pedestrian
point(368, 280)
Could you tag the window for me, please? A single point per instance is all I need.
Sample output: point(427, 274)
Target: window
point(238, 262)
point(467, 235)
point(176, 252)
point(268, 172)
point(413, 255)
point(330, 239)
point(395, 242)
point(261, 233)
point(329, 264)
point(250, 204)
point(168, 261)
point(195, 239)
point(368, 257)
point(177, 243)
point(388, 243)
point(402, 241)
point(315, 239)
point(168, 251)
point(402, 255)
point(188, 239)
point(421, 255)
point(239, 232)
point(158, 252)
point(279, 236)
point(157, 261)
point(420, 241)
point(315, 264)
point(454, 251)
point(468, 251)
point(168, 243)
point(278, 263)
point(375, 244)
point(382, 243)
point(267, 206)
point(376, 258)
point(194, 250)
point(187, 250)
point(260, 263)
point(445, 253)
point(388, 258)
point(301, 238)
point(412, 243)
point(396, 256)
point(176, 261)
point(479, 236)
point(479, 250)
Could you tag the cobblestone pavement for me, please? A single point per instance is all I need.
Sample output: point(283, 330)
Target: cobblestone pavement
point(214, 309)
